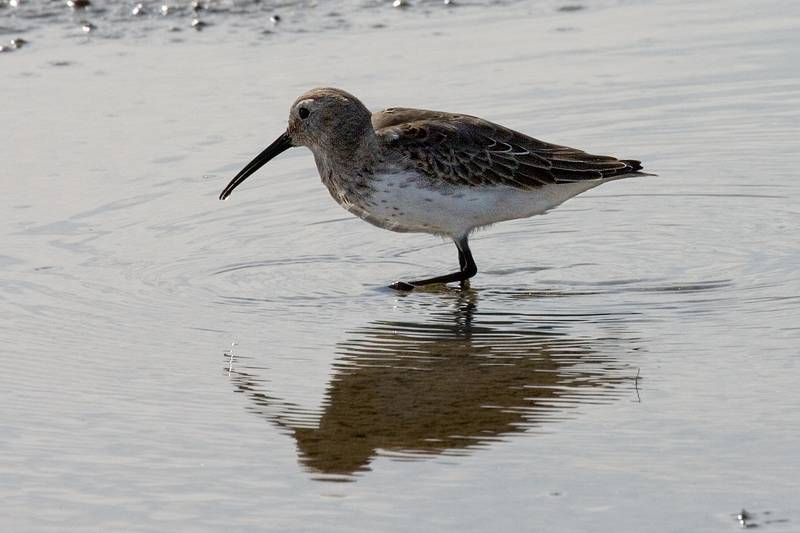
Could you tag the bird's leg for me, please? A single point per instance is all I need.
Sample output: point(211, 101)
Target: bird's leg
point(462, 262)
point(468, 269)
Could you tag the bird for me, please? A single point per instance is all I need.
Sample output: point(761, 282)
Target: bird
point(421, 171)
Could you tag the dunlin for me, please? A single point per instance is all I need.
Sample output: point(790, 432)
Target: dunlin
point(412, 170)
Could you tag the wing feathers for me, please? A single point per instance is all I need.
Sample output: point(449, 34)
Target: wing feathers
point(466, 150)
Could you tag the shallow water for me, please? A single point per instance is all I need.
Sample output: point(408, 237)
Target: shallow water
point(626, 363)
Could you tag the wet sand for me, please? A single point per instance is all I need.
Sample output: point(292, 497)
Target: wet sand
point(624, 363)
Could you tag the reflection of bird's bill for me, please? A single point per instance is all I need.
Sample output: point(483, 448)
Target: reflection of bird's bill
point(424, 389)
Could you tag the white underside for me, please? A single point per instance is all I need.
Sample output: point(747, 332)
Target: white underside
point(403, 202)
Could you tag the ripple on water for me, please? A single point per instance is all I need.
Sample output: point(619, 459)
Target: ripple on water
point(296, 281)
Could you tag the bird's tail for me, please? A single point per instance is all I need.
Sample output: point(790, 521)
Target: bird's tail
point(634, 168)
point(633, 165)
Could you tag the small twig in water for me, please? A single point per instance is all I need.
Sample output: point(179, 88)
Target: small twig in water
point(231, 355)
point(743, 518)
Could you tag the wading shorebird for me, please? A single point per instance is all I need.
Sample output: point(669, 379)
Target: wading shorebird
point(412, 170)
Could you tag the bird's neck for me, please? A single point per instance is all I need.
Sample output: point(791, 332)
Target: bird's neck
point(347, 168)
point(350, 158)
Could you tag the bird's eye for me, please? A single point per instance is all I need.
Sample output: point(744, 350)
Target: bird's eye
point(303, 112)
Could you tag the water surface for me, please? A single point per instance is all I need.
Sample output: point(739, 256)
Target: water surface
point(626, 363)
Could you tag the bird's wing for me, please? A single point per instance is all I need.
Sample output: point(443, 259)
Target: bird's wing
point(466, 150)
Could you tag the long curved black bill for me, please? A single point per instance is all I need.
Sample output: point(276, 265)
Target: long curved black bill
point(281, 144)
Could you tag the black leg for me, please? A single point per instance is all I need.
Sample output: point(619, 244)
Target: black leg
point(468, 269)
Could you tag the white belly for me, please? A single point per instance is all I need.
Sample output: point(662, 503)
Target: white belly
point(402, 202)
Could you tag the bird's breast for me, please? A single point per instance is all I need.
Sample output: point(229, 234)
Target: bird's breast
point(408, 201)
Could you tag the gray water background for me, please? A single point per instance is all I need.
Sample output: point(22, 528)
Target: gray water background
point(628, 362)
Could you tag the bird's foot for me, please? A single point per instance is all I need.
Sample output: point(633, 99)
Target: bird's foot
point(402, 286)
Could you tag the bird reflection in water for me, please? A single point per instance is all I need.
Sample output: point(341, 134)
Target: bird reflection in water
point(446, 386)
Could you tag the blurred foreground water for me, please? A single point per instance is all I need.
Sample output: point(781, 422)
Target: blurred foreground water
point(628, 362)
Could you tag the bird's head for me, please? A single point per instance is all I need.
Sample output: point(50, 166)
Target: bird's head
point(325, 120)
point(322, 118)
